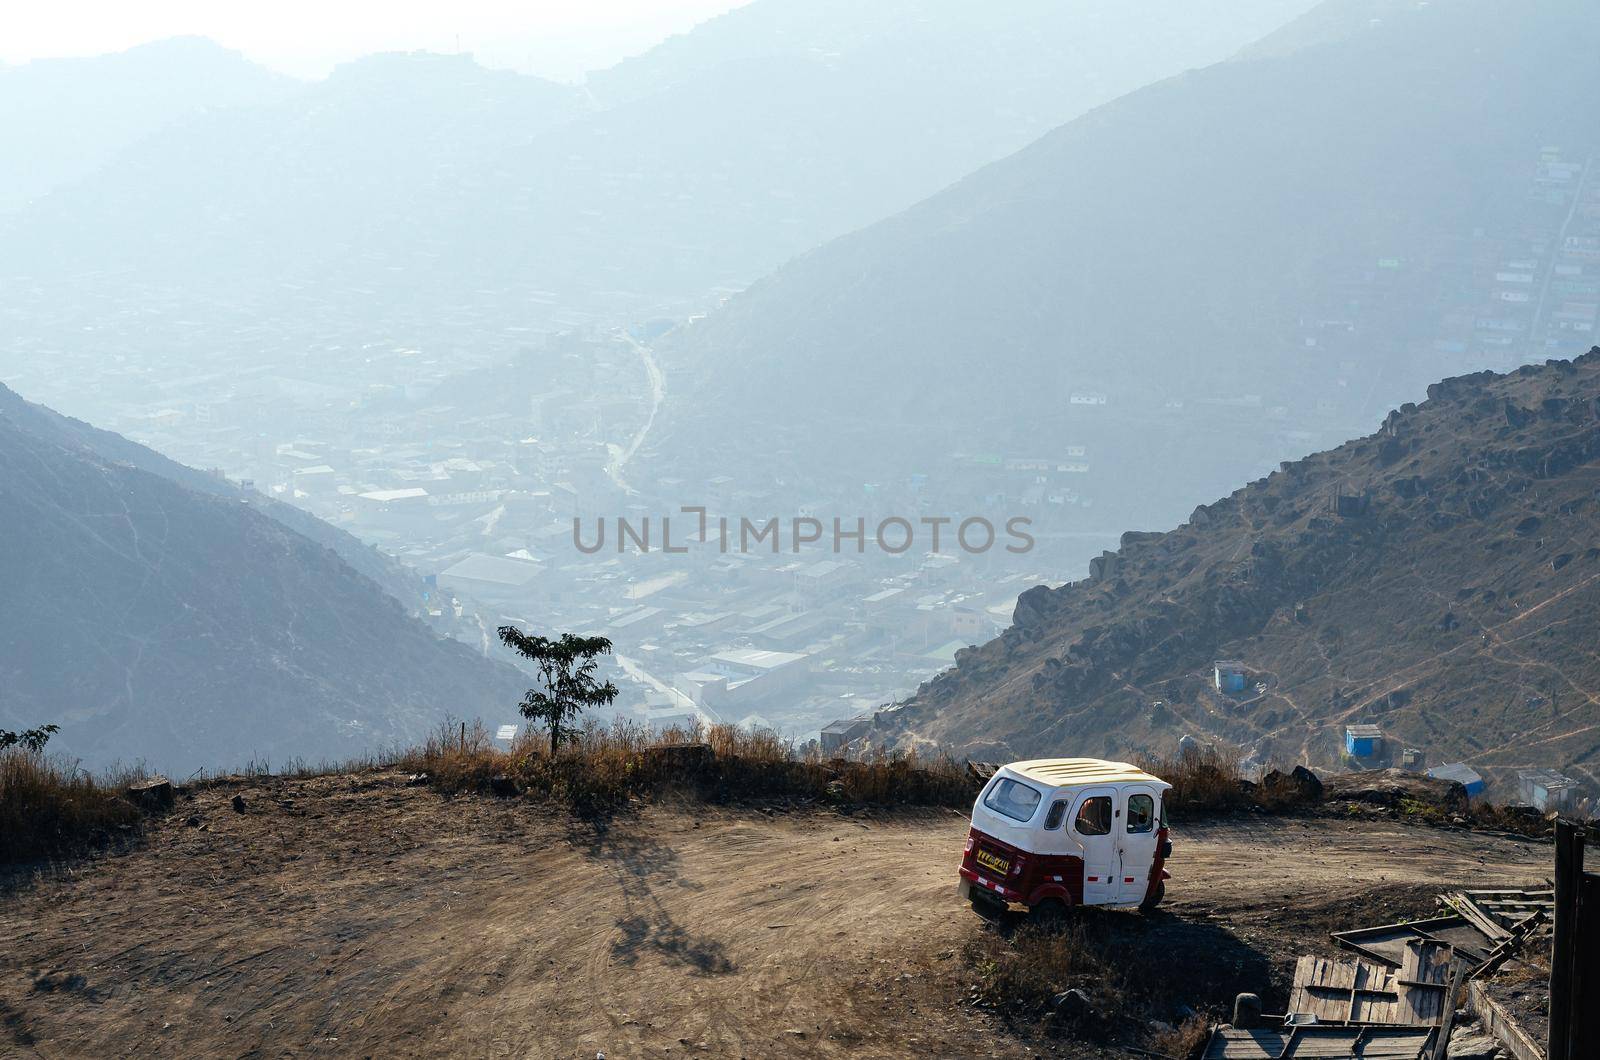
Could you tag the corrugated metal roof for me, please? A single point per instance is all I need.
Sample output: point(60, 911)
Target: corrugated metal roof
point(1060, 771)
point(1460, 772)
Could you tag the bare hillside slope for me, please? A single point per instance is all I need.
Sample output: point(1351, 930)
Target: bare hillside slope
point(1439, 578)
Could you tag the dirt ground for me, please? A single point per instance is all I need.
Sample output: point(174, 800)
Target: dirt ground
point(357, 916)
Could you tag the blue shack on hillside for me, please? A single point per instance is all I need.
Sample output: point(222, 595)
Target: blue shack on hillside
point(1228, 675)
point(1362, 741)
point(1462, 774)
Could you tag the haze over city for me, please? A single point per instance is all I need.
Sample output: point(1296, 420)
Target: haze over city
point(565, 450)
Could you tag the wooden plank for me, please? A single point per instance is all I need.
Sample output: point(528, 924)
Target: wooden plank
point(1365, 992)
point(1507, 907)
point(1585, 1029)
point(1480, 919)
point(1230, 1043)
point(1569, 870)
point(1520, 934)
point(1304, 971)
point(1358, 979)
point(1384, 942)
point(1342, 1043)
point(1441, 1044)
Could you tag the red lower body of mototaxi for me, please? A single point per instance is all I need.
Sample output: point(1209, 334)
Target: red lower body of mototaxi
point(1002, 873)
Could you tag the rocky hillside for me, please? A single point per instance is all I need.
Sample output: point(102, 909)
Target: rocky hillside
point(157, 620)
point(1439, 578)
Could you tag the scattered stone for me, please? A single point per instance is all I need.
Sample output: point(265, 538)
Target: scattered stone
point(1072, 1004)
point(1299, 786)
point(239, 804)
point(153, 794)
point(1470, 1046)
point(193, 821)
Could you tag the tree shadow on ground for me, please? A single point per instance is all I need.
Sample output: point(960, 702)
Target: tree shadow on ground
point(639, 865)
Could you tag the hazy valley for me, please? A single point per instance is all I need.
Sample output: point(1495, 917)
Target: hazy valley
point(916, 528)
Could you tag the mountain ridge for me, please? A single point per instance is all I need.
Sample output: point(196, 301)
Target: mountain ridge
point(1407, 579)
point(1287, 235)
point(685, 182)
point(160, 622)
point(60, 119)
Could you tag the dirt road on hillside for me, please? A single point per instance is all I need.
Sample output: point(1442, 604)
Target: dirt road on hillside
point(357, 916)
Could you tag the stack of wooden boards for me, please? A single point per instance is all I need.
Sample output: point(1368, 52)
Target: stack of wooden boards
point(1397, 1000)
point(1483, 927)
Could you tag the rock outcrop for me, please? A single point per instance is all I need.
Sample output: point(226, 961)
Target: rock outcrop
point(1439, 579)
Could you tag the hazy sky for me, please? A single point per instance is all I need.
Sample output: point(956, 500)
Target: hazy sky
point(556, 38)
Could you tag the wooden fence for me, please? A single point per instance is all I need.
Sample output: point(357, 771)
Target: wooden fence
point(1575, 955)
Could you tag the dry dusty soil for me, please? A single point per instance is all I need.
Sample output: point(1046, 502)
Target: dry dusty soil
point(358, 916)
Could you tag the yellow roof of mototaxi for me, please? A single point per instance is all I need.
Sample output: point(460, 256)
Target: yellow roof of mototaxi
point(1061, 772)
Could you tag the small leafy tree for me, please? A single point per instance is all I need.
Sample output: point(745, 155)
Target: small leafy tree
point(566, 669)
point(32, 739)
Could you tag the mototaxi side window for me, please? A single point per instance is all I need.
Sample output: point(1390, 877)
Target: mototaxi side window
point(1013, 799)
point(1058, 810)
point(1141, 814)
point(1094, 816)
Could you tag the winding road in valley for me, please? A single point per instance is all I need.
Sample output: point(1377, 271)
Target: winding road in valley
point(621, 455)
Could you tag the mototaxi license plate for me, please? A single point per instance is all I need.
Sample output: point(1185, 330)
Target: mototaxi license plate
point(990, 860)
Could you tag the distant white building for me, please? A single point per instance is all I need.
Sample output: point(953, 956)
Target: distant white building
point(412, 496)
point(741, 676)
point(487, 576)
point(1545, 789)
point(706, 689)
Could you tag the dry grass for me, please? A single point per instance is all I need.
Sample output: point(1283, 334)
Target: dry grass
point(604, 766)
point(1125, 974)
point(1204, 780)
point(1517, 820)
point(1183, 1041)
point(1024, 972)
point(48, 809)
